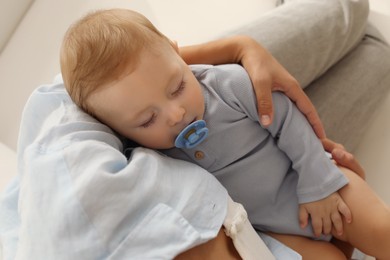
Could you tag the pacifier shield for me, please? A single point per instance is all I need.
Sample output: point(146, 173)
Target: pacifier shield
point(192, 135)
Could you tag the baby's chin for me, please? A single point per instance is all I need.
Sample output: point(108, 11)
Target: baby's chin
point(168, 144)
point(168, 147)
point(160, 146)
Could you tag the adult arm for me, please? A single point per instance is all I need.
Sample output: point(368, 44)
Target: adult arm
point(266, 73)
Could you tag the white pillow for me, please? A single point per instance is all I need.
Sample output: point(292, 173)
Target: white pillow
point(7, 165)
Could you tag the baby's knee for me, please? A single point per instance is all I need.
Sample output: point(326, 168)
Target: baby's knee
point(311, 249)
point(381, 234)
point(325, 252)
point(333, 254)
point(381, 225)
point(383, 230)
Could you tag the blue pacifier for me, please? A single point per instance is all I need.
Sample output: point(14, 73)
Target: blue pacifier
point(192, 135)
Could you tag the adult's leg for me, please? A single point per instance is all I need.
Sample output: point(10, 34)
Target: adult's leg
point(309, 36)
point(347, 94)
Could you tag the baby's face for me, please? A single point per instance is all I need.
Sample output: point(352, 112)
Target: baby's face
point(153, 103)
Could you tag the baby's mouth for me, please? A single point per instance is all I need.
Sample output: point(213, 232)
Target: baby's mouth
point(185, 125)
point(192, 135)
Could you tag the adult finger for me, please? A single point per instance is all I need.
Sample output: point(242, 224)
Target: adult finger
point(292, 89)
point(329, 145)
point(303, 217)
point(347, 160)
point(262, 86)
point(343, 157)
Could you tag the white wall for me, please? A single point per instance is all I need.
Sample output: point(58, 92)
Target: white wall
point(11, 12)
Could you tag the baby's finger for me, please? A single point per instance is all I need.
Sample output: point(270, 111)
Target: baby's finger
point(337, 223)
point(303, 217)
point(317, 226)
point(345, 211)
point(327, 225)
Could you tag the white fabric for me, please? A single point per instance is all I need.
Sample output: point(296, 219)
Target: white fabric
point(7, 165)
point(245, 239)
point(80, 198)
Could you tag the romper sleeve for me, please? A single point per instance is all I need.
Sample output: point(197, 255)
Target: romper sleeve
point(81, 198)
point(318, 176)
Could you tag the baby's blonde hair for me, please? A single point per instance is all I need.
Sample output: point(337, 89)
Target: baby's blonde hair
point(99, 47)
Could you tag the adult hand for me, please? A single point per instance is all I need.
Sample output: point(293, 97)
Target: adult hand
point(343, 157)
point(266, 73)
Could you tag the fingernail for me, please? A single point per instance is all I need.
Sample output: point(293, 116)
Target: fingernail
point(265, 120)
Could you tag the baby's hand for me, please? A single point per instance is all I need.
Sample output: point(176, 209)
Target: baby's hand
point(324, 214)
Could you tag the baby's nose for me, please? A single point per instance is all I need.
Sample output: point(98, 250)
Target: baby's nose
point(176, 115)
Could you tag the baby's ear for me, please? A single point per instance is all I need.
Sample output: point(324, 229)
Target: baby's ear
point(174, 45)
